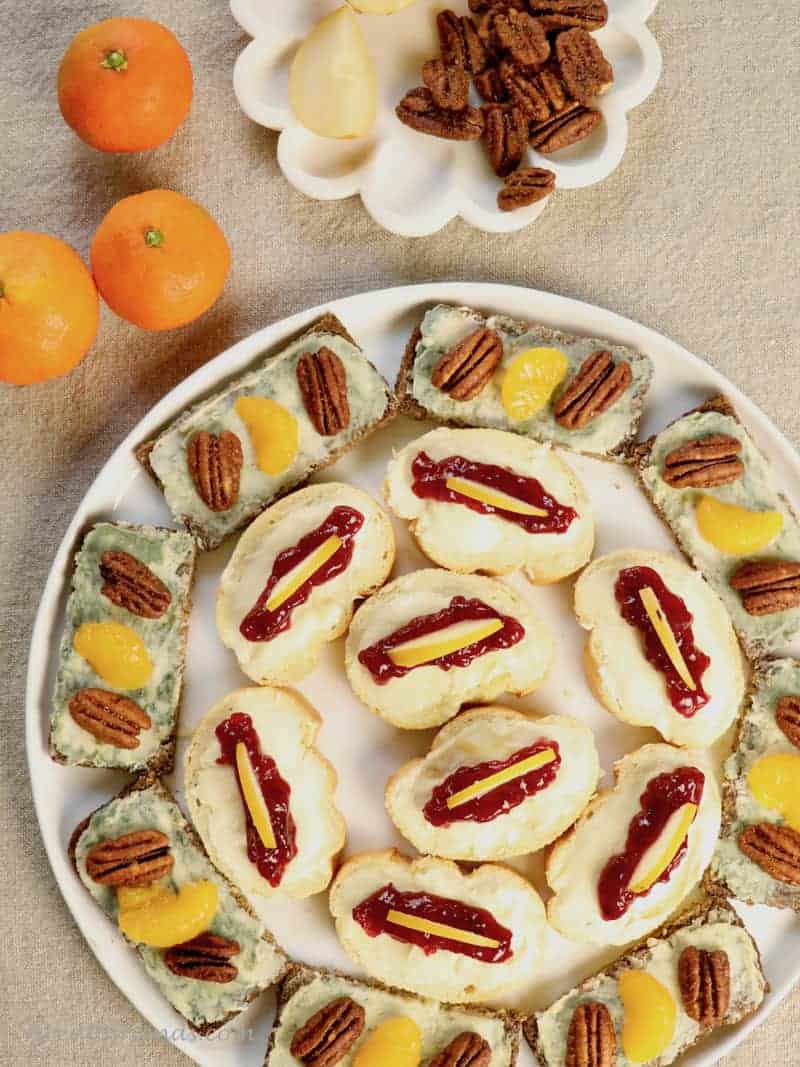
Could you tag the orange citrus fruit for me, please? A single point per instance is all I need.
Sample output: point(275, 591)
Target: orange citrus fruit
point(49, 309)
point(125, 85)
point(159, 259)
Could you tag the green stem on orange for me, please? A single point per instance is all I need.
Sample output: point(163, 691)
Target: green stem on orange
point(116, 60)
point(153, 238)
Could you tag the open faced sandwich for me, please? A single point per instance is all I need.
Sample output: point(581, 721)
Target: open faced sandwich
point(261, 796)
point(661, 650)
point(496, 783)
point(295, 574)
point(513, 502)
point(431, 641)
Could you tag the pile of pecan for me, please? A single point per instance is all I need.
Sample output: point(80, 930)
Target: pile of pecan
point(537, 70)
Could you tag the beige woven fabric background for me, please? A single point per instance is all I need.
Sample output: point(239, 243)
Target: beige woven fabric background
point(696, 235)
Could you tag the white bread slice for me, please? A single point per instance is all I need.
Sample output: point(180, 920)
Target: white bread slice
point(287, 727)
point(575, 863)
point(629, 686)
point(427, 695)
point(327, 612)
point(479, 736)
point(443, 975)
point(460, 539)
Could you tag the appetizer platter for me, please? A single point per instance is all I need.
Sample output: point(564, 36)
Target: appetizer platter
point(433, 645)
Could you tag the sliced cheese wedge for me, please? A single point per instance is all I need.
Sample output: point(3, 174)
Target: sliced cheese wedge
point(253, 797)
point(443, 642)
point(302, 571)
point(452, 933)
point(508, 774)
point(665, 635)
point(663, 851)
point(493, 497)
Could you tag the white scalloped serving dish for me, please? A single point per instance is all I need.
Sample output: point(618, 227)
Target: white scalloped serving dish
point(411, 184)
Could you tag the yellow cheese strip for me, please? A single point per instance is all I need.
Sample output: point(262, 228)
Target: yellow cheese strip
point(493, 497)
point(253, 797)
point(508, 774)
point(452, 933)
point(300, 573)
point(663, 851)
point(665, 635)
point(442, 642)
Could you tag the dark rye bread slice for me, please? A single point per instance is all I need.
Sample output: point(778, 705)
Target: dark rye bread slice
point(151, 781)
point(327, 323)
point(300, 975)
point(705, 911)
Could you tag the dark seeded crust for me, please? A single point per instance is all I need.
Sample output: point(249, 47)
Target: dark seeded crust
point(298, 975)
point(163, 760)
point(327, 323)
point(146, 781)
point(410, 406)
point(697, 915)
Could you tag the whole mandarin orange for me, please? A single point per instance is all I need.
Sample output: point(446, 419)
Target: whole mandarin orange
point(125, 85)
point(159, 259)
point(49, 309)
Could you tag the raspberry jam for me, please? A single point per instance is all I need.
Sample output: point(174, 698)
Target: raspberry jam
point(430, 482)
point(271, 862)
point(664, 795)
point(460, 609)
point(630, 581)
point(498, 801)
point(373, 915)
point(261, 624)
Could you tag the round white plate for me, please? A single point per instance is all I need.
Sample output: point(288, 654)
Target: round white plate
point(364, 749)
point(412, 184)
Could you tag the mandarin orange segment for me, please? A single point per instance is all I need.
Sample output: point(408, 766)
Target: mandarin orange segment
point(273, 432)
point(774, 781)
point(168, 918)
point(395, 1043)
point(735, 530)
point(650, 1016)
point(530, 380)
point(115, 652)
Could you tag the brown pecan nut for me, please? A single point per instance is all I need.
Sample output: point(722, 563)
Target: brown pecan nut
point(704, 462)
point(466, 1050)
point(467, 367)
point(787, 718)
point(478, 7)
point(775, 849)
point(418, 110)
point(768, 586)
point(506, 129)
point(526, 91)
point(564, 129)
point(129, 584)
point(326, 1038)
point(136, 859)
point(490, 86)
point(704, 979)
point(322, 380)
point(459, 43)
point(215, 464)
point(110, 717)
point(522, 36)
point(206, 958)
point(449, 86)
point(584, 68)
point(591, 1040)
point(525, 186)
point(563, 14)
point(597, 386)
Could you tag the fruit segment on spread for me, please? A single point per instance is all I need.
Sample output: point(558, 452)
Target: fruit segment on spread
point(272, 430)
point(656, 841)
point(434, 924)
point(774, 781)
point(482, 792)
point(269, 826)
point(490, 490)
point(156, 915)
point(734, 530)
point(115, 652)
point(320, 555)
point(651, 1016)
point(665, 625)
point(530, 380)
point(394, 1043)
point(452, 637)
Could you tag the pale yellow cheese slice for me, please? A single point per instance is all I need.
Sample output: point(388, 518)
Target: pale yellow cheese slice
point(253, 797)
point(302, 571)
point(663, 851)
point(665, 635)
point(452, 933)
point(493, 497)
point(508, 774)
point(443, 642)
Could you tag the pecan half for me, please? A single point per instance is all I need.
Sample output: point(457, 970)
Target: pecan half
point(525, 186)
point(597, 386)
point(129, 584)
point(323, 385)
point(449, 85)
point(787, 718)
point(775, 849)
point(467, 367)
point(110, 717)
point(562, 14)
point(591, 1040)
point(466, 1050)
point(326, 1038)
point(584, 68)
point(206, 958)
point(522, 36)
point(506, 129)
point(527, 91)
point(419, 110)
point(704, 979)
point(215, 464)
point(490, 86)
point(459, 43)
point(136, 859)
point(478, 7)
point(564, 129)
point(768, 586)
point(704, 463)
